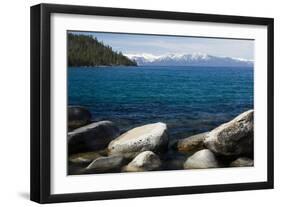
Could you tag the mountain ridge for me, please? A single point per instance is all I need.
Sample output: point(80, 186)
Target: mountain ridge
point(194, 59)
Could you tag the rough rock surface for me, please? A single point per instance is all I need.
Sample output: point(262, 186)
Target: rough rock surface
point(145, 161)
point(92, 137)
point(242, 162)
point(78, 116)
point(192, 143)
point(234, 137)
point(200, 160)
point(150, 137)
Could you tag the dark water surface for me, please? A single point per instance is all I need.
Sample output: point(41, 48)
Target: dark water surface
point(189, 99)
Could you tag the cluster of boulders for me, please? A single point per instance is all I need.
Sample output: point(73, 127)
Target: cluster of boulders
point(99, 147)
point(230, 144)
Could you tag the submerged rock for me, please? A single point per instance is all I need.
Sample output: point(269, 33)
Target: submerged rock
point(150, 137)
point(86, 157)
point(242, 162)
point(145, 161)
point(92, 137)
point(174, 164)
point(78, 116)
point(192, 143)
point(105, 164)
point(200, 160)
point(234, 137)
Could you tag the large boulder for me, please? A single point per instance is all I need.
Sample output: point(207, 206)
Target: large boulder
point(150, 137)
point(233, 138)
point(78, 116)
point(242, 162)
point(192, 143)
point(145, 161)
point(200, 160)
point(92, 137)
point(105, 164)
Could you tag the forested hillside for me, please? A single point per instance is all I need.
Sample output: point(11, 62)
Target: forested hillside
point(84, 50)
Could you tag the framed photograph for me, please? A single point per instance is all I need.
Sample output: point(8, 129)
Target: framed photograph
point(133, 103)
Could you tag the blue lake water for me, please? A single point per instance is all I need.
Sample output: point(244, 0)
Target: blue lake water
point(189, 99)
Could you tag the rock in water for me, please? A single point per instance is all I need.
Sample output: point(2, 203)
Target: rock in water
point(92, 137)
point(173, 163)
point(192, 143)
point(105, 164)
point(200, 160)
point(86, 157)
point(145, 161)
point(150, 137)
point(234, 137)
point(242, 162)
point(78, 116)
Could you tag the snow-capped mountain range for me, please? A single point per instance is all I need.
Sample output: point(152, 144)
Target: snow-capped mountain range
point(194, 59)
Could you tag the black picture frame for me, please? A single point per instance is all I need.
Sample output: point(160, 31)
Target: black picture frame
point(41, 97)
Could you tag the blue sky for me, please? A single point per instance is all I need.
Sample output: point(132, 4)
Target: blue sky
point(161, 45)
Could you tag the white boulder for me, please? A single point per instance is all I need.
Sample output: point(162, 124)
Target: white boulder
point(200, 160)
point(150, 137)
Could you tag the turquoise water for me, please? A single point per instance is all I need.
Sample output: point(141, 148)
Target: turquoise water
point(189, 99)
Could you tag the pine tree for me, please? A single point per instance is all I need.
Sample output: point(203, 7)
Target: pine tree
point(85, 50)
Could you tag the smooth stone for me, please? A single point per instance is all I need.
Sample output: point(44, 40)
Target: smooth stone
point(77, 117)
point(200, 160)
point(150, 137)
point(95, 136)
point(105, 164)
point(234, 137)
point(86, 157)
point(242, 162)
point(192, 143)
point(145, 161)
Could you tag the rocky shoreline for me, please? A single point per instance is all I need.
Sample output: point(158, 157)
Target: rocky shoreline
point(99, 147)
